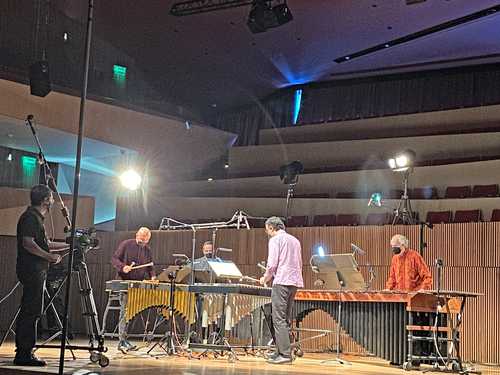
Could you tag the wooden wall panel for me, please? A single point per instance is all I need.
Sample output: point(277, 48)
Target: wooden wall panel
point(471, 254)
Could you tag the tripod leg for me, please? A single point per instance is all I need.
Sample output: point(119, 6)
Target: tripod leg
point(9, 330)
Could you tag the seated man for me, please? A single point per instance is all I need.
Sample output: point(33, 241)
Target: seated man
point(130, 254)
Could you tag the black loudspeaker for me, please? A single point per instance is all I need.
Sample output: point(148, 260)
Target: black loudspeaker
point(282, 13)
point(39, 78)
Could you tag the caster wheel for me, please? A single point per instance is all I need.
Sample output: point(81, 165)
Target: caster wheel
point(435, 366)
point(103, 361)
point(407, 366)
point(231, 358)
point(455, 366)
point(299, 353)
point(94, 357)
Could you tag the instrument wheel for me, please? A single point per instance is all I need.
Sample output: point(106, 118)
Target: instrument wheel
point(455, 366)
point(299, 353)
point(94, 357)
point(407, 366)
point(103, 361)
point(231, 358)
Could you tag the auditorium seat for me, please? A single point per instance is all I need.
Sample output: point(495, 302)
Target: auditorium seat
point(427, 192)
point(297, 221)
point(348, 219)
point(351, 195)
point(437, 217)
point(467, 216)
point(378, 218)
point(394, 194)
point(324, 220)
point(495, 215)
point(457, 192)
point(485, 191)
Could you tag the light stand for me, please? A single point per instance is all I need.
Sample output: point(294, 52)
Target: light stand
point(83, 98)
point(403, 213)
point(289, 174)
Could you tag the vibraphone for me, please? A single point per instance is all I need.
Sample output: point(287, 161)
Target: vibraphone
point(232, 307)
point(382, 321)
point(143, 295)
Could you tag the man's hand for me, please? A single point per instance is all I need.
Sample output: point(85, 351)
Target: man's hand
point(54, 258)
point(262, 281)
point(127, 269)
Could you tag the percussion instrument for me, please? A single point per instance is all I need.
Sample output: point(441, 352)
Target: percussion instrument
point(379, 321)
point(146, 294)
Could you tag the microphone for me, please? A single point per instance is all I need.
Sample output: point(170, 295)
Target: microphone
point(261, 266)
point(223, 249)
point(357, 249)
point(30, 118)
point(439, 262)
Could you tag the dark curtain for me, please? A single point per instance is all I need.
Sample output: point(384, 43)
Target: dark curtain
point(275, 112)
point(352, 99)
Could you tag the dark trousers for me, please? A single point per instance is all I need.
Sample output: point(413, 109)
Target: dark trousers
point(282, 297)
point(31, 308)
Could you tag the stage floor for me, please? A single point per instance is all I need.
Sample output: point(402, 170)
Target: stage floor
point(140, 363)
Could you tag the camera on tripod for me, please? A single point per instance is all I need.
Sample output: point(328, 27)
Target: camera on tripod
point(85, 240)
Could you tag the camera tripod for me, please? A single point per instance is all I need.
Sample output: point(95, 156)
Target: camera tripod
point(89, 312)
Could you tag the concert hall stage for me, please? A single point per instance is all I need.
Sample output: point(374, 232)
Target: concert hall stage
point(141, 362)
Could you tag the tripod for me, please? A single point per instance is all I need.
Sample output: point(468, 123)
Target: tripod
point(403, 213)
point(89, 311)
point(50, 305)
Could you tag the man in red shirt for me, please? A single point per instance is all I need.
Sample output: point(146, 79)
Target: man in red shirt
point(408, 272)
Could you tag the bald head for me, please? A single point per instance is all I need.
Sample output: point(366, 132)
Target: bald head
point(143, 236)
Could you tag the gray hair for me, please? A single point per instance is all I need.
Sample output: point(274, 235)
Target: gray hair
point(400, 239)
point(275, 222)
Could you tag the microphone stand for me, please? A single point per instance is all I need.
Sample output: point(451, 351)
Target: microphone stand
point(47, 173)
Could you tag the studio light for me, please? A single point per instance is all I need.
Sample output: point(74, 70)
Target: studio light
point(264, 16)
point(289, 173)
point(402, 161)
point(130, 179)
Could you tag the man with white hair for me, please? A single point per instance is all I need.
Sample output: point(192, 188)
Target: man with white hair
point(284, 267)
point(127, 259)
point(408, 269)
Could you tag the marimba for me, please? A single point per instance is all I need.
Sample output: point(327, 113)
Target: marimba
point(382, 321)
point(142, 295)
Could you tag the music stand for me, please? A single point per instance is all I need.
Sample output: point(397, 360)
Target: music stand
point(341, 273)
point(167, 342)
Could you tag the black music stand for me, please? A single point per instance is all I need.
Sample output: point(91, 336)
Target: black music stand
point(341, 273)
point(167, 342)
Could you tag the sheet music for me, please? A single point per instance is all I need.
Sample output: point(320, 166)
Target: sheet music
point(225, 269)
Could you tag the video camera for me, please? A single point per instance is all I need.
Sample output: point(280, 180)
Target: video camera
point(85, 240)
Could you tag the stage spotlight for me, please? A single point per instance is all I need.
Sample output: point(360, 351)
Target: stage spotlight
point(131, 179)
point(263, 16)
point(289, 173)
point(375, 200)
point(402, 161)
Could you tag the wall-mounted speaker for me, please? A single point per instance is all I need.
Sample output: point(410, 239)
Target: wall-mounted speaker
point(39, 78)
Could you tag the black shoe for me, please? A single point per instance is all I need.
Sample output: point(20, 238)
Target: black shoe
point(280, 360)
point(30, 360)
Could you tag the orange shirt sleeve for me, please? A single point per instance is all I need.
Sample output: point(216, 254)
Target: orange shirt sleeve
point(425, 274)
point(391, 281)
